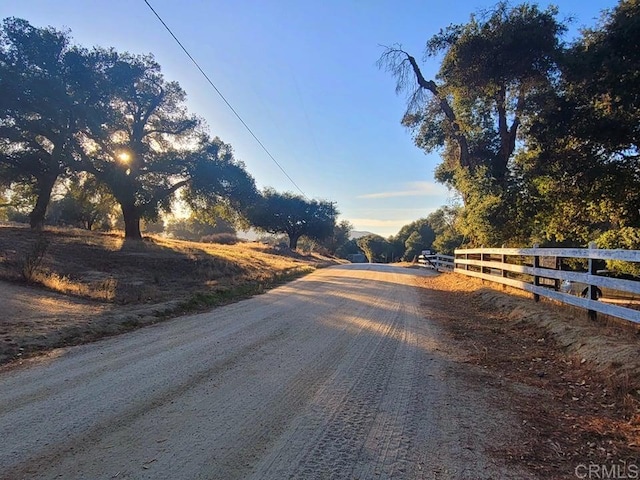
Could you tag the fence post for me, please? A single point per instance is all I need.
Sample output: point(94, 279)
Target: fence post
point(503, 260)
point(592, 291)
point(536, 278)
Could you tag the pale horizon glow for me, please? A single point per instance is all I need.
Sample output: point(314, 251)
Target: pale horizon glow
point(413, 189)
point(373, 222)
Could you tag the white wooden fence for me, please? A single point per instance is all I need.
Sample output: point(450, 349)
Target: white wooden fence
point(536, 270)
point(441, 263)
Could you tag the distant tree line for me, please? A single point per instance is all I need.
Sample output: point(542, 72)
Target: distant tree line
point(538, 137)
point(437, 232)
point(102, 131)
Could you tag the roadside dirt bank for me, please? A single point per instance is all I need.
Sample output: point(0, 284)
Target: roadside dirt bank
point(574, 383)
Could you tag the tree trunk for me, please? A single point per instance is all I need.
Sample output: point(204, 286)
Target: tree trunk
point(44, 187)
point(131, 222)
point(293, 241)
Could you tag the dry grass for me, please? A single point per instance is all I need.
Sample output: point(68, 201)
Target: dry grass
point(575, 382)
point(105, 267)
point(103, 290)
point(131, 283)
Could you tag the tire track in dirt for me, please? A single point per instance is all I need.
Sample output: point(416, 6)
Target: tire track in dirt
point(353, 428)
point(386, 448)
point(148, 345)
point(133, 410)
point(276, 327)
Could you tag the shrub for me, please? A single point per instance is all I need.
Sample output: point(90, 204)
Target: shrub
point(221, 238)
point(627, 238)
point(33, 259)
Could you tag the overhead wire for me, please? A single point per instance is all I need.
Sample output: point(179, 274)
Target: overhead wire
point(193, 60)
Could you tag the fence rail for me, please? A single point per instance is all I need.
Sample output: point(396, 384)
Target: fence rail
point(539, 271)
point(441, 263)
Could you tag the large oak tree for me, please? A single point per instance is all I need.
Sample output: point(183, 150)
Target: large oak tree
point(583, 158)
point(294, 216)
point(144, 150)
point(112, 115)
point(491, 69)
point(44, 100)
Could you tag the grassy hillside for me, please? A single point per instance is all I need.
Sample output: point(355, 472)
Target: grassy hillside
point(105, 267)
point(71, 286)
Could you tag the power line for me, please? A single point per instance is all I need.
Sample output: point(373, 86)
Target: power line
point(223, 98)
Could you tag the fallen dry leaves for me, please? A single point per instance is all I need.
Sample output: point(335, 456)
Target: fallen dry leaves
point(573, 383)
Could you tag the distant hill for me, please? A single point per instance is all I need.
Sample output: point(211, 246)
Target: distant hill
point(355, 234)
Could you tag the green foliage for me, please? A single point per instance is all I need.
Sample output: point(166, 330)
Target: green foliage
point(338, 239)
point(413, 238)
point(194, 229)
point(507, 45)
point(85, 204)
point(602, 76)
point(444, 222)
point(220, 186)
point(539, 138)
point(492, 214)
point(440, 231)
point(583, 156)
point(112, 115)
point(627, 238)
point(141, 152)
point(293, 215)
point(424, 229)
point(413, 246)
point(376, 248)
point(350, 247)
point(19, 200)
point(491, 72)
point(40, 106)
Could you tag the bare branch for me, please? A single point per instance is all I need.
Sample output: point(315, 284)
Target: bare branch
point(409, 76)
point(161, 194)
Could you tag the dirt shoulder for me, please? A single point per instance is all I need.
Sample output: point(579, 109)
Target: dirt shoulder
point(36, 321)
point(574, 383)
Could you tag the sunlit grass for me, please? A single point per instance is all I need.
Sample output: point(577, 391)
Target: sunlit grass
point(108, 268)
point(105, 290)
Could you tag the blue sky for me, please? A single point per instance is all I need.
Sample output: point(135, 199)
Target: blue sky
point(303, 76)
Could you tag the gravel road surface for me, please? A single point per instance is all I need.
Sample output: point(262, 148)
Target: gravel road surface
point(338, 375)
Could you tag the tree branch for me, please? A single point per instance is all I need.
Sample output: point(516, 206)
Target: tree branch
point(503, 130)
point(395, 61)
point(162, 195)
point(430, 85)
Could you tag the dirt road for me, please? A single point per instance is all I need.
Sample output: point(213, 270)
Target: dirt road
point(336, 375)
